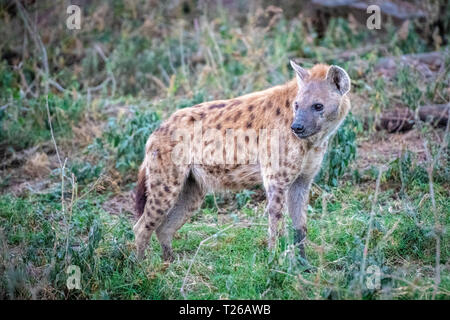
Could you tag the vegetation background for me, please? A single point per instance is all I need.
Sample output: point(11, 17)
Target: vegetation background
point(381, 201)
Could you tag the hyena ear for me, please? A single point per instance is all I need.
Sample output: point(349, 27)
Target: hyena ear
point(338, 78)
point(300, 73)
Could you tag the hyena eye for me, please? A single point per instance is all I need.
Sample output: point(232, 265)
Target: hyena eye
point(317, 106)
point(296, 105)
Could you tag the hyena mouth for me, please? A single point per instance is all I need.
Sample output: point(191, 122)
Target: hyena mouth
point(304, 135)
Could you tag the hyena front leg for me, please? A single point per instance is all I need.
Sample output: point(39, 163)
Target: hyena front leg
point(297, 199)
point(274, 209)
point(190, 199)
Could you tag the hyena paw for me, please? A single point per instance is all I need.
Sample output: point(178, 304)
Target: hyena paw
point(140, 252)
point(168, 255)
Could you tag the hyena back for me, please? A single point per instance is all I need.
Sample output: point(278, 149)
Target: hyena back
point(283, 131)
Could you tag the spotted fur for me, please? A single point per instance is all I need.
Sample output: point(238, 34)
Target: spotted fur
point(169, 193)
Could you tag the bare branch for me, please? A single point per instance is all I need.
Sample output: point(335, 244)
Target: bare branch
point(105, 60)
point(38, 43)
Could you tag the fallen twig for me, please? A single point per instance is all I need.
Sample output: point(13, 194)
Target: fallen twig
point(196, 252)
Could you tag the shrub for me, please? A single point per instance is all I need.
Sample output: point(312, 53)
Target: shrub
point(126, 137)
point(341, 152)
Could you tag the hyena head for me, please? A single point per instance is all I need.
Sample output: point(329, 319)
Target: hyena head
point(321, 103)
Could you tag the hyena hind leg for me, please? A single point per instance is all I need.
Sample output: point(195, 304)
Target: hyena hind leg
point(161, 197)
point(190, 199)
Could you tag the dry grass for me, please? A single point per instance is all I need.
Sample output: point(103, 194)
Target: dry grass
point(74, 206)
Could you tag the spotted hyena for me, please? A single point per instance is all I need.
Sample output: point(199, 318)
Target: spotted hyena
point(276, 137)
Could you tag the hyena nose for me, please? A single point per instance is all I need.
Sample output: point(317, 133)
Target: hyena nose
point(298, 128)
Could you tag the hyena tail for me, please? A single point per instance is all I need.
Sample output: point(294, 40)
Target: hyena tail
point(141, 192)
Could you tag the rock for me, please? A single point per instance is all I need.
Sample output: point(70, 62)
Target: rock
point(399, 11)
point(396, 120)
point(437, 114)
point(401, 119)
point(429, 64)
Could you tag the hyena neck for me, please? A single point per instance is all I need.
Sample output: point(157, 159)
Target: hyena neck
point(280, 100)
point(268, 109)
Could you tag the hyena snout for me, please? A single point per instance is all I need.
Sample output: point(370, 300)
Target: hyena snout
point(304, 129)
point(298, 128)
point(308, 118)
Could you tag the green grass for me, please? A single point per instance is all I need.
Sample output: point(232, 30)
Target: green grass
point(160, 66)
point(234, 264)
